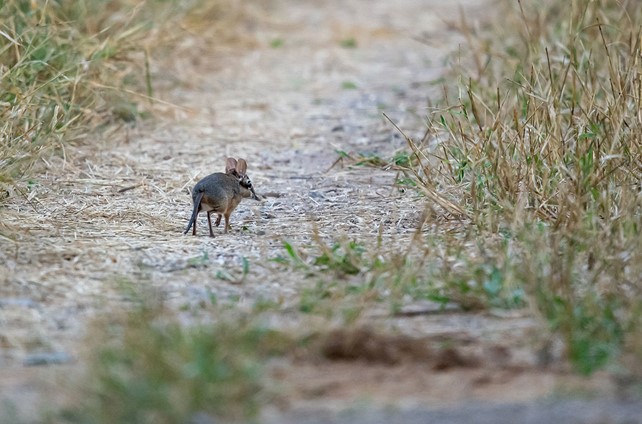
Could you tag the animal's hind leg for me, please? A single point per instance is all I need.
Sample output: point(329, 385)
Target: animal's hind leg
point(218, 220)
point(227, 222)
point(194, 227)
point(209, 221)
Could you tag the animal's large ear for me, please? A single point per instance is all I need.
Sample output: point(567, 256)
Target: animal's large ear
point(230, 166)
point(241, 167)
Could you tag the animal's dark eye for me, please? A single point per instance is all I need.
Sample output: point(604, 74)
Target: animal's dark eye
point(245, 182)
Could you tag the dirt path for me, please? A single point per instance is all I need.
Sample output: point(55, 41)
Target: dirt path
point(114, 212)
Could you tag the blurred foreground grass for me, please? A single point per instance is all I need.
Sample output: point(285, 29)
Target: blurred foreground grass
point(148, 368)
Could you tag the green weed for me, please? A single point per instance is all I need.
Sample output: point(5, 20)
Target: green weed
point(349, 43)
point(276, 43)
point(348, 85)
point(349, 276)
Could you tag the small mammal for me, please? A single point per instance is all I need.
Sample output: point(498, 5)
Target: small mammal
point(221, 193)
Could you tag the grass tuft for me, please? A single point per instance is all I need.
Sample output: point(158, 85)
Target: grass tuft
point(70, 69)
point(150, 368)
point(537, 140)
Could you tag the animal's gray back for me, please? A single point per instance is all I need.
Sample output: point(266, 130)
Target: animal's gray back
point(217, 185)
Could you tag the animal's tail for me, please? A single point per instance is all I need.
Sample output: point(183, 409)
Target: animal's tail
point(197, 204)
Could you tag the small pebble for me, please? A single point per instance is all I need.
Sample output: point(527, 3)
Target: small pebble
point(316, 195)
point(47, 358)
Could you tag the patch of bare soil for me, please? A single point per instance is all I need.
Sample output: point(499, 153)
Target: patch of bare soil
point(113, 213)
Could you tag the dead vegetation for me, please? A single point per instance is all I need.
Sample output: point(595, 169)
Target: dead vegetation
point(541, 141)
point(66, 68)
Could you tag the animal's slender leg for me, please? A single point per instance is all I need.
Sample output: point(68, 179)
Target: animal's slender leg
point(227, 222)
point(209, 221)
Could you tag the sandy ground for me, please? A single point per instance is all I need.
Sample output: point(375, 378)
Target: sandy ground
point(113, 213)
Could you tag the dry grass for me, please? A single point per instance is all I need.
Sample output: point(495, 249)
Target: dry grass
point(540, 137)
point(66, 68)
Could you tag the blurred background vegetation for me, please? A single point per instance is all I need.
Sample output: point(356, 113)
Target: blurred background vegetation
point(70, 69)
